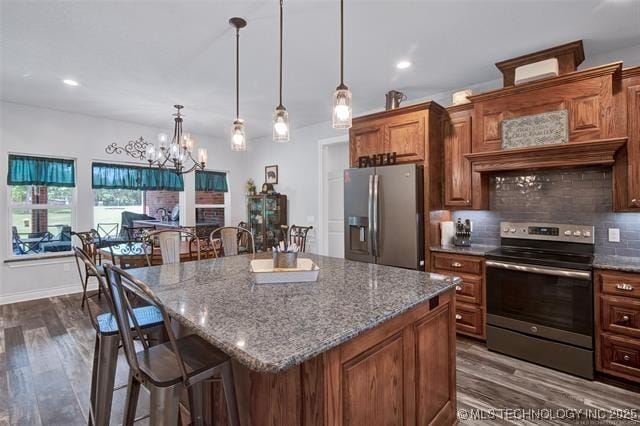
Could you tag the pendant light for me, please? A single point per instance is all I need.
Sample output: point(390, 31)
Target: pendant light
point(238, 136)
point(342, 95)
point(280, 115)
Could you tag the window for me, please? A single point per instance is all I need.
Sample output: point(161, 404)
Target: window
point(137, 191)
point(212, 199)
point(41, 204)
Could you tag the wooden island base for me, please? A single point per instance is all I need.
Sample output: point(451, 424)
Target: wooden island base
point(399, 373)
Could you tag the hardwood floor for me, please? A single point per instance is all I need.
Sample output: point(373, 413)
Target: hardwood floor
point(46, 348)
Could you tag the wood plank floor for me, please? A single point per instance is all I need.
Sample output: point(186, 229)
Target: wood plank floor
point(46, 350)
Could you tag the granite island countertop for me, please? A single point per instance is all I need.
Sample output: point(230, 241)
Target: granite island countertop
point(473, 250)
point(617, 263)
point(272, 327)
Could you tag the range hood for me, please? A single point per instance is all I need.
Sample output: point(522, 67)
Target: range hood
point(574, 154)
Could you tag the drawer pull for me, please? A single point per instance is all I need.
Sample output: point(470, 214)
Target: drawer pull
point(625, 318)
point(627, 358)
point(624, 287)
point(456, 265)
point(458, 317)
point(458, 288)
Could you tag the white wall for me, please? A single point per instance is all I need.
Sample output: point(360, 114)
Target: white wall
point(30, 130)
point(297, 171)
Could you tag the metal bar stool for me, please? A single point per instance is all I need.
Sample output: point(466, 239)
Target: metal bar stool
point(167, 369)
point(105, 354)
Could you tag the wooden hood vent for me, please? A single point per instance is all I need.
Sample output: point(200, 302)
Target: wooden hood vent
point(573, 154)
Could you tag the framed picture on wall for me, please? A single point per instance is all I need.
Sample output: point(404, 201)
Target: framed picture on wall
point(271, 174)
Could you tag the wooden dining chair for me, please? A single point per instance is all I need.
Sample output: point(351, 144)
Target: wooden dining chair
point(105, 355)
point(231, 238)
point(166, 369)
point(170, 243)
point(298, 236)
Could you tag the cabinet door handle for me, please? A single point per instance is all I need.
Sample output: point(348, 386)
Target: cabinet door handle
point(456, 265)
point(627, 358)
point(458, 288)
point(635, 202)
point(624, 287)
point(625, 318)
point(458, 317)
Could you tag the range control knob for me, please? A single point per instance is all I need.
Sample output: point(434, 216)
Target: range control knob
point(505, 229)
point(512, 230)
point(567, 233)
point(586, 233)
point(577, 233)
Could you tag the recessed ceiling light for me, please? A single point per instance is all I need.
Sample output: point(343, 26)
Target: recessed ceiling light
point(70, 82)
point(403, 65)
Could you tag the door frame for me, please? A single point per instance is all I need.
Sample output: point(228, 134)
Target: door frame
point(323, 231)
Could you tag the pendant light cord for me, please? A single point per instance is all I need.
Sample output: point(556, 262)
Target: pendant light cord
point(281, 4)
point(341, 42)
point(237, 73)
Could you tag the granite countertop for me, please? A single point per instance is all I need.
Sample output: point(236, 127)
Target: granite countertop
point(272, 327)
point(617, 263)
point(474, 249)
point(168, 223)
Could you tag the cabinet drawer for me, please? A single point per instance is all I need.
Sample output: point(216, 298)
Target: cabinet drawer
point(457, 263)
point(469, 319)
point(620, 315)
point(621, 356)
point(469, 290)
point(619, 284)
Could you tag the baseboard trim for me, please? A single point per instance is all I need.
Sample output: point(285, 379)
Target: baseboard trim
point(24, 296)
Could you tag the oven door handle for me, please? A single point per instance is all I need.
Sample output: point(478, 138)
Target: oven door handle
point(584, 275)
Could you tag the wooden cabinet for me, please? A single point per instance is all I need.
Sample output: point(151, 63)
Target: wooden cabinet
point(470, 294)
point(456, 134)
point(365, 140)
point(617, 301)
point(405, 131)
point(402, 372)
point(631, 92)
point(405, 135)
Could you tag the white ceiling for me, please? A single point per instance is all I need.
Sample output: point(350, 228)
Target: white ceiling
point(135, 59)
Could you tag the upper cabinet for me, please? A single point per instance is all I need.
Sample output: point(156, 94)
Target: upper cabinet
point(630, 95)
point(405, 131)
point(456, 132)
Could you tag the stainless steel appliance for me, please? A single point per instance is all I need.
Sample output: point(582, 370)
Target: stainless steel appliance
point(540, 295)
point(383, 215)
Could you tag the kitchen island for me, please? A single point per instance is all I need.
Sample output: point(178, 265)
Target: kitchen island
point(364, 345)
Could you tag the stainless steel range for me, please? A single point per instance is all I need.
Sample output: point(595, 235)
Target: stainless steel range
point(540, 295)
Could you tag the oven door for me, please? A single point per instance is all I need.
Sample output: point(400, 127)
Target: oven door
point(546, 302)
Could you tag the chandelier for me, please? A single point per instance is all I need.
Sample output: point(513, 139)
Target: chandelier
point(177, 155)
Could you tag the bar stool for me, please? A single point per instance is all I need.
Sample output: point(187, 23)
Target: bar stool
point(105, 354)
point(167, 369)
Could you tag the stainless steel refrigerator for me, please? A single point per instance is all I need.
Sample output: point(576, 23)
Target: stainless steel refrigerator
point(383, 215)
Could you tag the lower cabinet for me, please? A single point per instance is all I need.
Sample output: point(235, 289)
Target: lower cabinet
point(470, 294)
point(617, 302)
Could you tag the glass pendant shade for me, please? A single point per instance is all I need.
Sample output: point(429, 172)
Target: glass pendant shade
point(342, 108)
point(150, 152)
point(238, 136)
point(281, 125)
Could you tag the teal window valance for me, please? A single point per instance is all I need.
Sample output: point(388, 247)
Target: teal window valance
point(27, 170)
point(118, 176)
point(211, 181)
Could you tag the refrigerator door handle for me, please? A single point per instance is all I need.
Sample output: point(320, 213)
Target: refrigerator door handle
point(376, 220)
point(370, 217)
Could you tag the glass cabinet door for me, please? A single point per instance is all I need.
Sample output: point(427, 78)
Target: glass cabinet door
point(257, 220)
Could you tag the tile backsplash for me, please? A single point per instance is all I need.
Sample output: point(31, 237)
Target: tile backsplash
point(581, 196)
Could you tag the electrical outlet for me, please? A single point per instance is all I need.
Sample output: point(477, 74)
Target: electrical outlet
point(614, 235)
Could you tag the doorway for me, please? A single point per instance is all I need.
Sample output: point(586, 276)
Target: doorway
point(334, 159)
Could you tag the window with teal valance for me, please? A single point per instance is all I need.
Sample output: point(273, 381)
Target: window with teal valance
point(118, 176)
point(27, 170)
point(211, 181)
